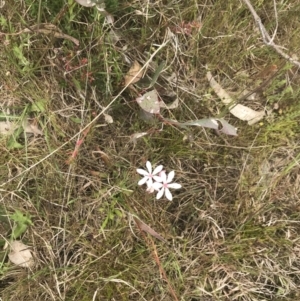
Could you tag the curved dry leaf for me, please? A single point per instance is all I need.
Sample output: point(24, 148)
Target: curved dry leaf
point(20, 254)
point(134, 74)
point(247, 114)
point(238, 110)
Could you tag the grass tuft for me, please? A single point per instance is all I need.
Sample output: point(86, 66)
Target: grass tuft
point(232, 230)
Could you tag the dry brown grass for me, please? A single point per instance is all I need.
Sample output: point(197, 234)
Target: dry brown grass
point(232, 230)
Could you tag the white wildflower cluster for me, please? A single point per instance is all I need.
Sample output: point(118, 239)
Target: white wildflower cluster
point(158, 180)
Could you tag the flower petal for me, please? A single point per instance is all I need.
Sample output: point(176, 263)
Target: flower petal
point(150, 188)
point(142, 172)
point(157, 169)
point(163, 177)
point(157, 185)
point(168, 194)
point(170, 176)
point(160, 193)
point(143, 181)
point(149, 166)
point(157, 179)
point(174, 185)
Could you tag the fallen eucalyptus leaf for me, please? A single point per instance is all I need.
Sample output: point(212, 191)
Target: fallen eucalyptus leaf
point(212, 123)
point(149, 102)
point(206, 122)
point(176, 123)
point(238, 110)
point(227, 128)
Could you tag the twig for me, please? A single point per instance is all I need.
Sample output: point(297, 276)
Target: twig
point(162, 271)
point(47, 29)
point(266, 37)
point(276, 20)
point(156, 258)
point(77, 146)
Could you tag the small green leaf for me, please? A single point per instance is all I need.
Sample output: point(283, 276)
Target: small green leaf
point(157, 73)
point(38, 106)
point(76, 120)
point(13, 144)
point(19, 54)
point(22, 222)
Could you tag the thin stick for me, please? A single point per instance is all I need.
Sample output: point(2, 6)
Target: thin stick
point(266, 37)
point(77, 146)
point(156, 258)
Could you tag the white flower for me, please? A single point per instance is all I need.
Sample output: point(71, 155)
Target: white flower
point(150, 188)
point(149, 175)
point(163, 184)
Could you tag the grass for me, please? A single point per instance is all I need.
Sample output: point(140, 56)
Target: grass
point(232, 231)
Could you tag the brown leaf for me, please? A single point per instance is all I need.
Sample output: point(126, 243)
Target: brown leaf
point(267, 71)
point(134, 74)
point(144, 227)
